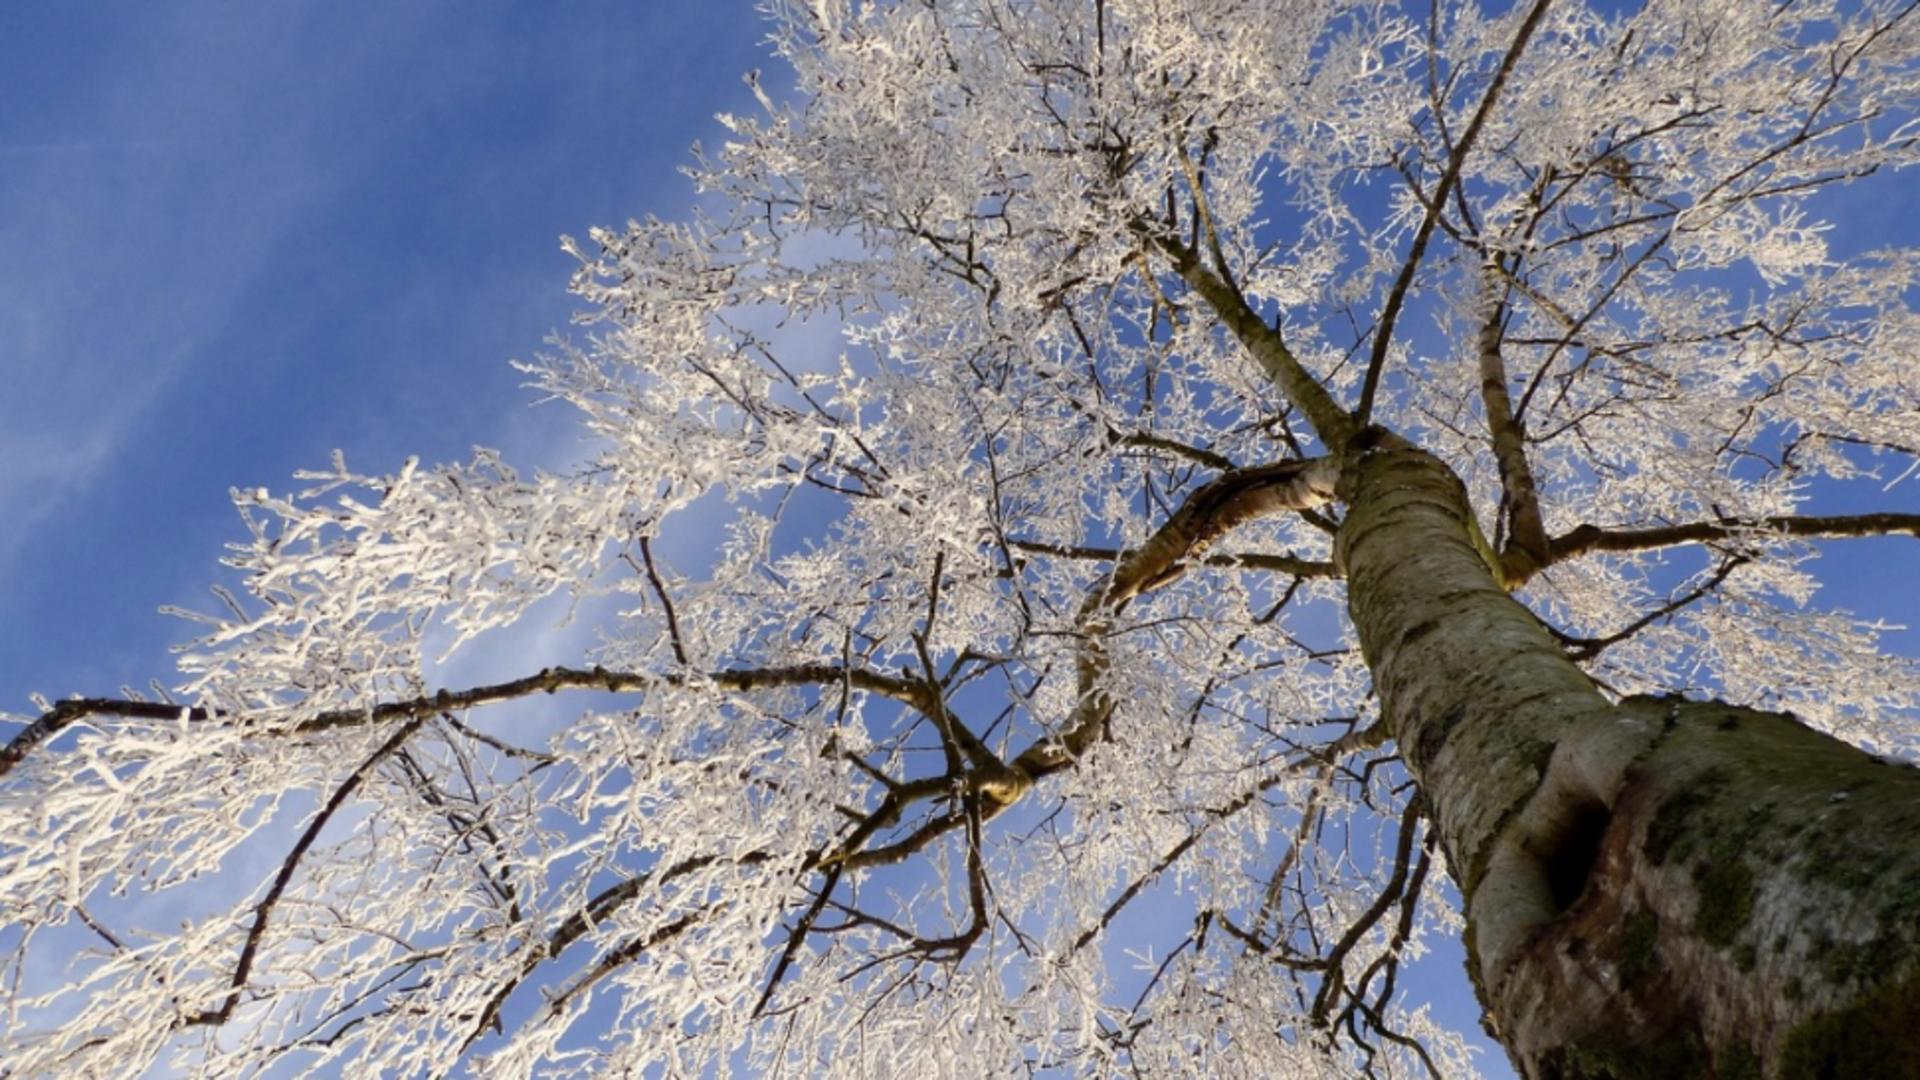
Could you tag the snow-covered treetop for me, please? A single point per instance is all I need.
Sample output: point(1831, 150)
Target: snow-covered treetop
point(1006, 371)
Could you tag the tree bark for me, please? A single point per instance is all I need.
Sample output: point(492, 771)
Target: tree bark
point(1654, 887)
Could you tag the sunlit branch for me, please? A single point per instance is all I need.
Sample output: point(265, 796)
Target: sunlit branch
point(666, 602)
point(576, 926)
point(313, 1038)
point(1351, 742)
point(1598, 305)
point(1310, 813)
point(1526, 546)
point(624, 955)
point(1335, 983)
point(1276, 952)
point(505, 748)
point(1378, 1024)
point(546, 681)
point(263, 910)
point(1208, 514)
point(1196, 454)
point(1397, 295)
point(495, 877)
point(1876, 444)
point(1590, 647)
point(155, 972)
point(1387, 964)
point(1589, 538)
point(1248, 560)
point(853, 852)
point(1289, 376)
point(957, 740)
point(1203, 217)
point(797, 936)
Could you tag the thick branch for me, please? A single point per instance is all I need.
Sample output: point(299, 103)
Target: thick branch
point(1589, 538)
point(1526, 548)
point(1383, 334)
point(1265, 343)
point(549, 681)
point(1245, 560)
point(1208, 514)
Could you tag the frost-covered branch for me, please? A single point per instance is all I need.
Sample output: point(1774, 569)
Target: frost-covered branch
point(1383, 336)
point(945, 600)
point(1590, 538)
point(546, 681)
point(1300, 387)
point(1526, 546)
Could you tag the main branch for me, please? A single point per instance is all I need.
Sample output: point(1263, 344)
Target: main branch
point(1589, 538)
point(549, 681)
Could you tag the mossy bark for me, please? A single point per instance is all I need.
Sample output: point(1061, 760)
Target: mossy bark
point(1655, 887)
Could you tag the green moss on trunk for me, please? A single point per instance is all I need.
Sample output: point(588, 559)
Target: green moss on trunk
point(1873, 1037)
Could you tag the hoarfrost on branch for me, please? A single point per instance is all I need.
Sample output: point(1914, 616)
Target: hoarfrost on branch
point(1024, 616)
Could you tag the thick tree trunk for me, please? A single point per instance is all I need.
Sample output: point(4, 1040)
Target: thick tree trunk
point(1655, 887)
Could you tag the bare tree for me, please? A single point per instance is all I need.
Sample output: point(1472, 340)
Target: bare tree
point(1335, 472)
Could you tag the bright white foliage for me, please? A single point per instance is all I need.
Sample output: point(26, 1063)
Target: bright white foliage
point(968, 192)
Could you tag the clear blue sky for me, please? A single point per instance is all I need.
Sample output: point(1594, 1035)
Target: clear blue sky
point(234, 237)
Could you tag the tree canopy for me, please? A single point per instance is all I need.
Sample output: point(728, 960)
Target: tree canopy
point(1038, 371)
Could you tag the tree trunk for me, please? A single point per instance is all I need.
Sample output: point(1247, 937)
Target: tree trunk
point(1654, 887)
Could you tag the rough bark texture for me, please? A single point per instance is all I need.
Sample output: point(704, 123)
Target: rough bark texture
point(1655, 887)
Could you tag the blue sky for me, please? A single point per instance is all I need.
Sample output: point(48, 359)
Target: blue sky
point(234, 237)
